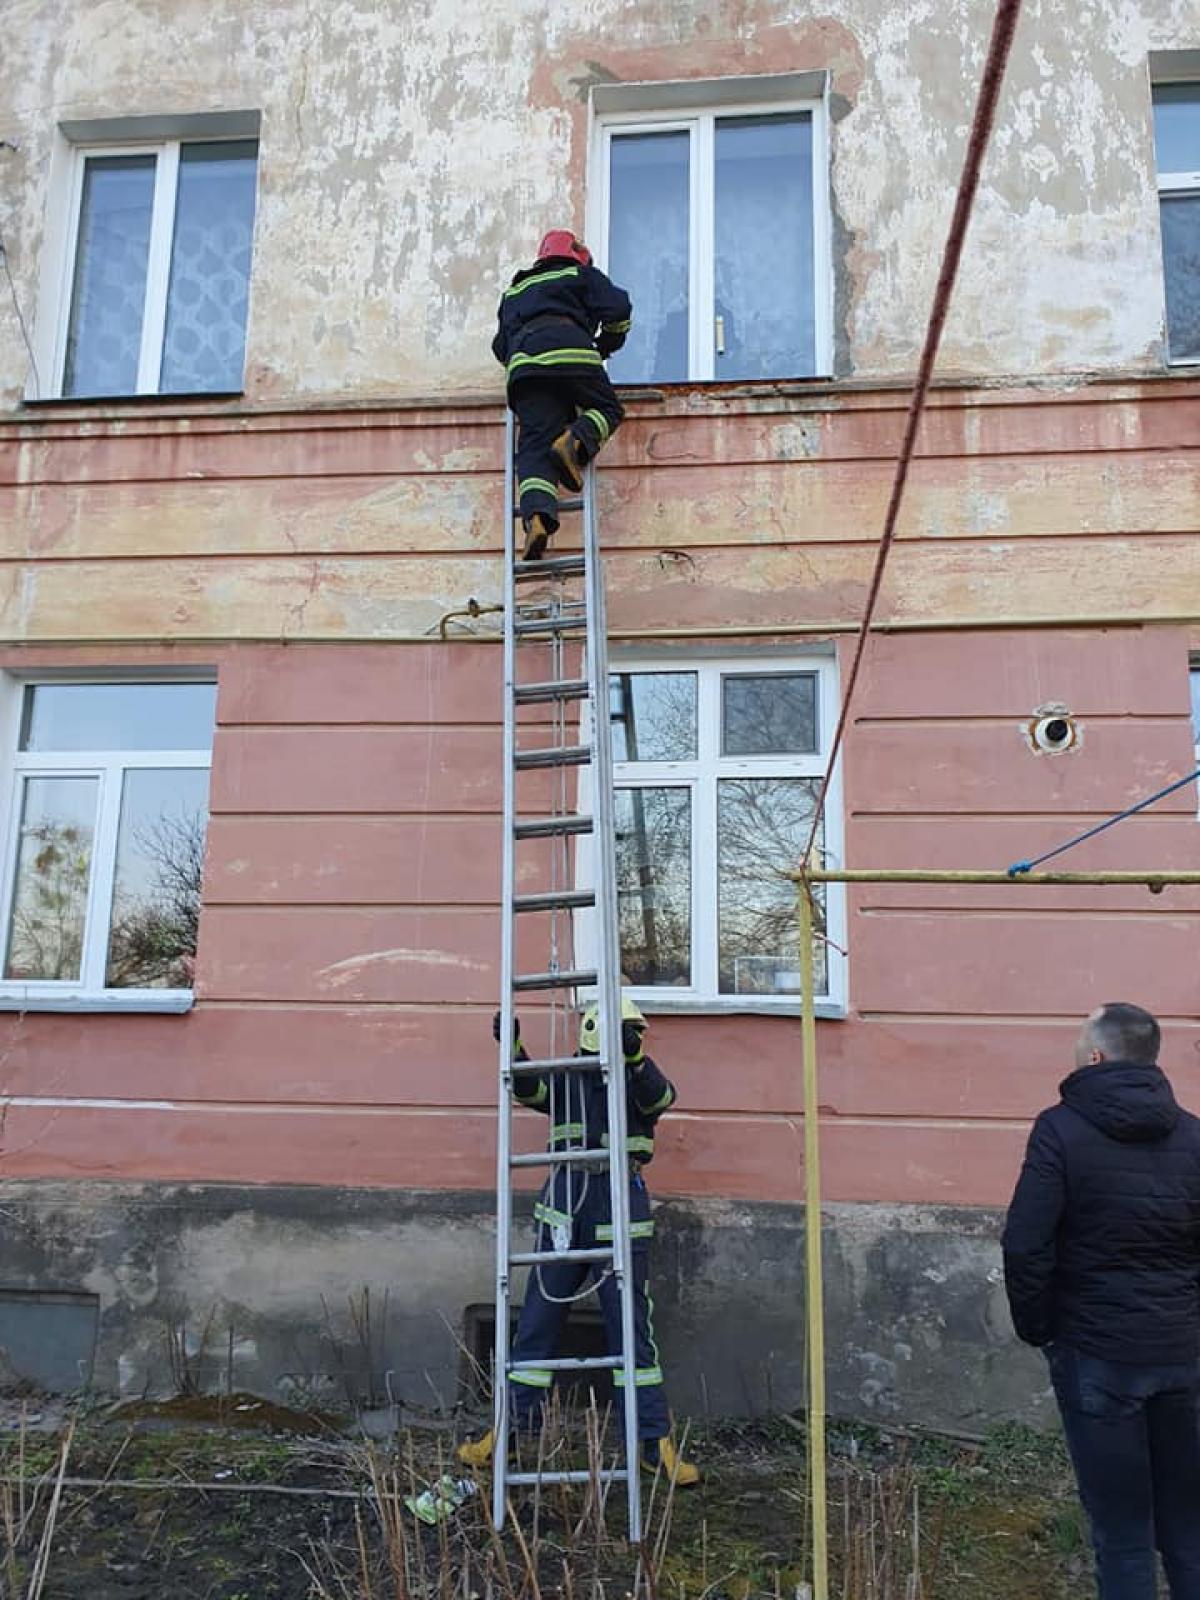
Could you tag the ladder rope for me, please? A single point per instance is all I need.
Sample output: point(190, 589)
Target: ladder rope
point(1003, 30)
point(1019, 868)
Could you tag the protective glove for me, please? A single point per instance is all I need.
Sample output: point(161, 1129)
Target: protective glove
point(516, 1030)
point(631, 1044)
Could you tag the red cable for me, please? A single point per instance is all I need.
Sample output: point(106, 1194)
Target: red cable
point(1007, 14)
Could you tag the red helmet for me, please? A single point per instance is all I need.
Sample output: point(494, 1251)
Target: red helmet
point(561, 242)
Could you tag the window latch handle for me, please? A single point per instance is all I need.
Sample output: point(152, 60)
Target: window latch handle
point(720, 336)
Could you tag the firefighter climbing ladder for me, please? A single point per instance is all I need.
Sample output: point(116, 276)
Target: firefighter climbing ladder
point(554, 613)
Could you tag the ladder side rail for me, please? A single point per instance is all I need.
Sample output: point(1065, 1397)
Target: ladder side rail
point(504, 1176)
point(608, 995)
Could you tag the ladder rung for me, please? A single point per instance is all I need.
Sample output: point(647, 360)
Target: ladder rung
point(554, 980)
point(573, 504)
point(570, 1364)
point(556, 755)
point(552, 567)
point(553, 1158)
point(560, 900)
point(526, 1480)
point(529, 694)
point(550, 827)
point(537, 1258)
point(558, 623)
point(560, 1064)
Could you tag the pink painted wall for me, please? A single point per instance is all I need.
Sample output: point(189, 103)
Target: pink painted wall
point(349, 939)
point(349, 943)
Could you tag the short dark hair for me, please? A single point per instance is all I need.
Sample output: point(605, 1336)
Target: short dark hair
point(1126, 1033)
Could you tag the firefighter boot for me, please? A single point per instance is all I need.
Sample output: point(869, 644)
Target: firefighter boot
point(477, 1453)
point(571, 459)
point(662, 1453)
point(537, 537)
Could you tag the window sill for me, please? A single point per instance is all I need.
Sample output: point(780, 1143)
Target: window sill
point(161, 1001)
point(138, 402)
point(655, 1005)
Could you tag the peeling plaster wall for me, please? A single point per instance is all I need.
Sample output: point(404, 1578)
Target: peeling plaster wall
point(918, 1328)
point(411, 152)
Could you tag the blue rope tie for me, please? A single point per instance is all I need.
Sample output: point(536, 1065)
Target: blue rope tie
point(1019, 867)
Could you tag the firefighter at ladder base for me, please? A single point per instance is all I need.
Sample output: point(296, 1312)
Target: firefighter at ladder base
point(574, 1212)
point(559, 321)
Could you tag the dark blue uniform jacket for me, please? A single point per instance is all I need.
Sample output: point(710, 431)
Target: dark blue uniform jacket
point(559, 318)
point(576, 1101)
point(1102, 1244)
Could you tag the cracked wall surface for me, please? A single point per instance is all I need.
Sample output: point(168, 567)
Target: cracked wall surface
point(411, 154)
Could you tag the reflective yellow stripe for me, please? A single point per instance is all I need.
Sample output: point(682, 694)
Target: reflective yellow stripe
point(531, 485)
point(549, 1215)
point(636, 1144)
point(532, 1097)
point(541, 277)
point(566, 1130)
point(644, 1377)
point(663, 1101)
point(601, 422)
point(557, 358)
point(536, 1379)
point(618, 327)
point(637, 1230)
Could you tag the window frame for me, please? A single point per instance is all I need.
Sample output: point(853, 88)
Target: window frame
point(700, 122)
point(108, 767)
point(1169, 186)
point(701, 777)
point(67, 194)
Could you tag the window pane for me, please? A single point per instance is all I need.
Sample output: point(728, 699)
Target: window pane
point(105, 335)
point(763, 248)
point(1181, 261)
point(119, 716)
point(770, 713)
point(156, 893)
point(54, 868)
point(653, 716)
point(1177, 127)
point(762, 827)
point(1195, 680)
point(205, 342)
point(654, 885)
point(649, 252)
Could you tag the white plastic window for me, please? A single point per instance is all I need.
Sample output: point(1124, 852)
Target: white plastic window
point(104, 826)
point(717, 222)
point(716, 769)
point(154, 285)
point(1177, 152)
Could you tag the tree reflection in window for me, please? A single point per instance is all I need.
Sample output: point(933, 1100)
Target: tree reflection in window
point(654, 884)
point(762, 826)
point(156, 892)
point(54, 869)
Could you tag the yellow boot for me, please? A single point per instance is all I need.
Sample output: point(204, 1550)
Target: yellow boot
point(477, 1453)
point(570, 458)
point(662, 1453)
point(538, 534)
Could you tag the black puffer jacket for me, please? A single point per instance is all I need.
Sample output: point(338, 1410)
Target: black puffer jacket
point(1102, 1244)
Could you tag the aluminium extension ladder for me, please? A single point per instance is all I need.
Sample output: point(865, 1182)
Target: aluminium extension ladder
point(556, 661)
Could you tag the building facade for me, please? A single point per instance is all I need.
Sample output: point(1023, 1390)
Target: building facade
point(251, 474)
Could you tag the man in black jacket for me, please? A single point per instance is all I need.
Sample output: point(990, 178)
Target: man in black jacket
point(558, 322)
point(1102, 1266)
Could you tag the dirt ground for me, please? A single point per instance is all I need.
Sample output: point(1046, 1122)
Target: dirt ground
point(185, 1501)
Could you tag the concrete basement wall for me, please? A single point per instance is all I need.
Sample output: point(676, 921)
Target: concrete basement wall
point(916, 1318)
point(412, 154)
